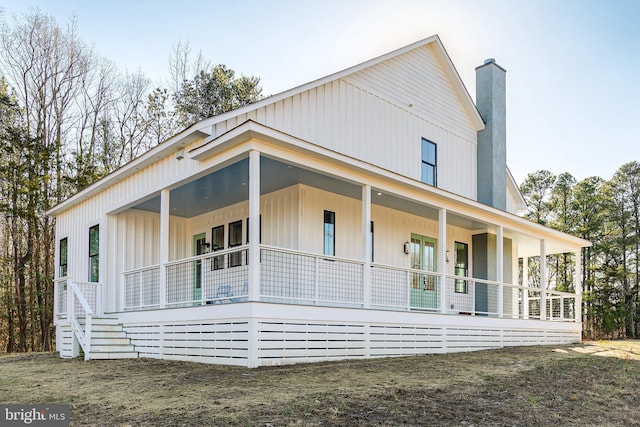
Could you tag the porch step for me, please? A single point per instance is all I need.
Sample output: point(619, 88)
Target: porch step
point(118, 355)
point(108, 334)
point(109, 340)
point(110, 348)
point(95, 341)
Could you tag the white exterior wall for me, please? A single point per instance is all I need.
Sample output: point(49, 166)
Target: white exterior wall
point(75, 228)
point(379, 115)
point(514, 202)
point(366, 115)
point(391, 228)
point(279, 212)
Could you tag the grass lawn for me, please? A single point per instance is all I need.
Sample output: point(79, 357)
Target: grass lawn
point(596, 383)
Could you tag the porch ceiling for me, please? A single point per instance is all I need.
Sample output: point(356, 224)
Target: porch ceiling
point(229, 185)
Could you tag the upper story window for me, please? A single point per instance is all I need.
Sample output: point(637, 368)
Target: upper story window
point(429, 173)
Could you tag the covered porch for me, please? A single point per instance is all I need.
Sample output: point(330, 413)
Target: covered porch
point(333, 234)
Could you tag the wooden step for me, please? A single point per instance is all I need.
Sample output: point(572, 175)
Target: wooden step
point(108, 334)
point(115, 355)
point(111, 348)
point(109, 340)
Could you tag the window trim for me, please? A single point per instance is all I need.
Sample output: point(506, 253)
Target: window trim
point(329, 249)
point(94, 256)
point(235, 258)
point(218, 261)
point(63, 272)
point(461, 286)
point(433, 165)
point(372, 237)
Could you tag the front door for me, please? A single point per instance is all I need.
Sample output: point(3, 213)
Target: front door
point(198, 249)
point(424, 287)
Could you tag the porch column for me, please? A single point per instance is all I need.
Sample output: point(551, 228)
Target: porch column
point(500, 269)
point(543, 279)
point(442, 257)
point(254, 226)
point(577, 284)
point(366, 244)
point(164, 244)
point(525, 284)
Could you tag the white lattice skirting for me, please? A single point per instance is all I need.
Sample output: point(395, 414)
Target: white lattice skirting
point(262, 334)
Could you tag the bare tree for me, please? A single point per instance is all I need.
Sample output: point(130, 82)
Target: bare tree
point(44, 64)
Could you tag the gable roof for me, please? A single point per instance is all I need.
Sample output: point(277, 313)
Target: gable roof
point(199, 129)
point(439, 49)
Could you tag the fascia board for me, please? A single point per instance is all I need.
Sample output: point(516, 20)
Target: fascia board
point(160, 151)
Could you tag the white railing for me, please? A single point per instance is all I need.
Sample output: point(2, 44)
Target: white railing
point(295, 277)
point(398, 288)
point(212, 278)
point(302, 278)
point(60, 299)
point(83, 301)
point(560, 306)
point(142, 288)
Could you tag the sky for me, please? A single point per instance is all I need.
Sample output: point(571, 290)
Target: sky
point(573, 95)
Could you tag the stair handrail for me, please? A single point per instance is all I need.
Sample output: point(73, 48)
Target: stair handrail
point(84, 338)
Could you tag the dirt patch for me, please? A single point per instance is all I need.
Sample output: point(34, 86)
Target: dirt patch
point(588, 384)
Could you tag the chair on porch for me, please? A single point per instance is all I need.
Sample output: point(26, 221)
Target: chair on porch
point(244, 293)
point(222, 291)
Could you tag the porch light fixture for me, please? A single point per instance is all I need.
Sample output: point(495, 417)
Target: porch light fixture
point(180, 154)
point(446, 256)
point(406, 248)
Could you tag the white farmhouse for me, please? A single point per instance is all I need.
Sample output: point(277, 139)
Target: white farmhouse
point(368, 213)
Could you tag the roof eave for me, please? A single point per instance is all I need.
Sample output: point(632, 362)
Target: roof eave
point(171, 145)
point(251, 129)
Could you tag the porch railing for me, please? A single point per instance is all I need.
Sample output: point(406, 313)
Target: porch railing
point(78, 302)
point(295, 277)
point(60, 298)
point(302, 278)
point(212, 278)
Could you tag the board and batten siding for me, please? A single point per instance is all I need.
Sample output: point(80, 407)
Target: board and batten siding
point(279, 213)
point(391, 228)
point(379, 115)
point(74, 226)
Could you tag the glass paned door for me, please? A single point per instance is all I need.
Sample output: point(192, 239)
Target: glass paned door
point(424, 287)
point(461, 266)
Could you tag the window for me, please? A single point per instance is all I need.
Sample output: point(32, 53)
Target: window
point(461, 266)
point(62, 270)
point(235, 239)
point(429, 162)
point(94, 257)
point(329, 233)
point(217, 244)
point(371, 242)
